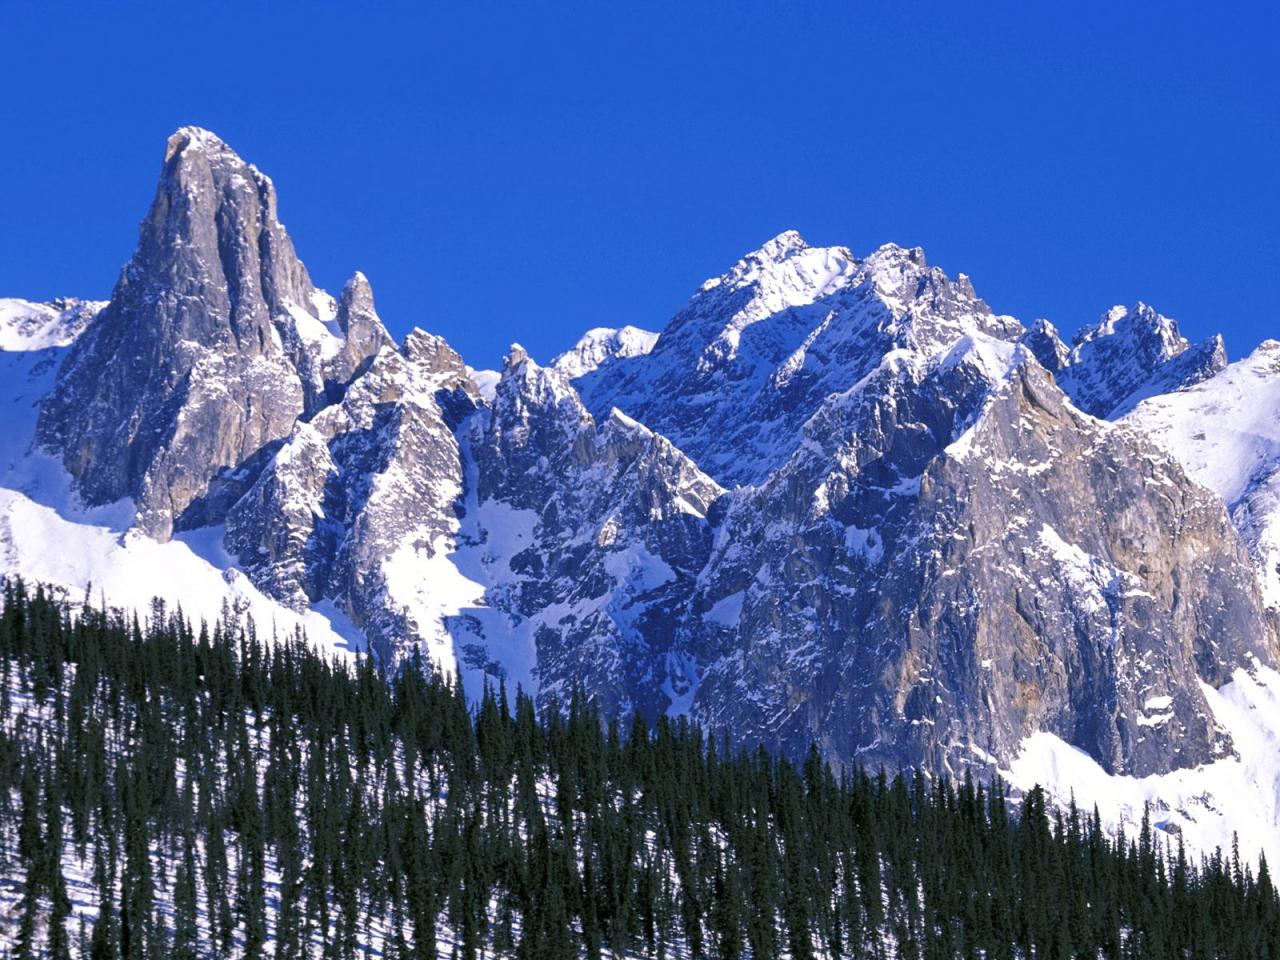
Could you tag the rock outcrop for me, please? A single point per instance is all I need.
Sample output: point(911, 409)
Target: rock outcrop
point(214, 343)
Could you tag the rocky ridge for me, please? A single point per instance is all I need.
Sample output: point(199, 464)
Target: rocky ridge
point(836, 499)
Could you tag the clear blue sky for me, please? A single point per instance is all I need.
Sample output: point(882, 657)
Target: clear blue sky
point(527, 171)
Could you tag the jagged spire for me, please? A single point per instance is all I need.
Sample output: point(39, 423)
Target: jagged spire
point(213, 231)
point(357, 318)
point(194, 365)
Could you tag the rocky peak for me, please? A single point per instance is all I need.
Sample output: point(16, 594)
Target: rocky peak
point(754, 353)
point(431, 352)
point(534, 410)
point(1132, 353)
point(362, 331)
point(193, 138)
point(1149, 337)
point(1046, 344)
point(355, 302)
point(213, 231)
point(954, 556)
point(784, 245)
point(374, 476)
point(214, 342)
point(784, 272)
point(927, 310)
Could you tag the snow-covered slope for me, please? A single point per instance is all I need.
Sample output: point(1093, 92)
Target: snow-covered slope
point(47, 534)
point(25, 325)
point(1226, 432)
point(1208, 805)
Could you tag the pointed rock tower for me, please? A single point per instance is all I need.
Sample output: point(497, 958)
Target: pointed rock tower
point(214, 343)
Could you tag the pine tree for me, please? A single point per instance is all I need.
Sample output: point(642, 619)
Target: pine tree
point(185, 916)
point(388, 804)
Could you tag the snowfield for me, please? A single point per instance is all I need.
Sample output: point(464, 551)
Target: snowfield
point(1205, 806)
point(46, 535)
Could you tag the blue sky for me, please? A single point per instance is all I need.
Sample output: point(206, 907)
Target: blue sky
point(507, 172)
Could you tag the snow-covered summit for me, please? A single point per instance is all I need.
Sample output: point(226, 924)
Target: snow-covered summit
point(1131, 353)
point(601, 345)
point(756, 350)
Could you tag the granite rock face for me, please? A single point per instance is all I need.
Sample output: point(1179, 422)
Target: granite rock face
point(837, 499)
point(953, 560)
point(213, 344)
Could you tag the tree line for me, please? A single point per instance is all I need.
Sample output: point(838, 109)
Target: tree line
point(170, 790)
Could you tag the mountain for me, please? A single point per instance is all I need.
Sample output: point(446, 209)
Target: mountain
point(955, 556)
point(925, 508)
point(736, 373)
point(837, 499)
point(214, 343)
point(1130, 354)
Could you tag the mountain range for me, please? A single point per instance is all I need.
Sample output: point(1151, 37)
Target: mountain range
point(837, 499)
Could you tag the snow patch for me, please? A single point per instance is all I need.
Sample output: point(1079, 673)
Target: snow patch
point(1205, 804)
point(866, 543)
point(727, 611)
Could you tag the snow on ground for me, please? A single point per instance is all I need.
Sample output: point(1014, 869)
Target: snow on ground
point(424, 579)
point(1225, 431)
point(128, 569)
point(1203, 805)
point(487, 639)
point(320, 332)
point(26, 326)
point(46, 534)
point(727, 611)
